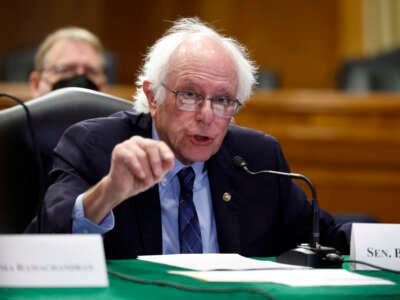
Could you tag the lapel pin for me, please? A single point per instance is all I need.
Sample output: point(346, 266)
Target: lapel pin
point(226, 197)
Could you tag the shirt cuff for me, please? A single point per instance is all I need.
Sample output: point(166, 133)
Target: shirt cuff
point(81, 224)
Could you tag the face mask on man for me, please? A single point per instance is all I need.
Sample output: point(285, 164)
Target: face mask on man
point(76, 81)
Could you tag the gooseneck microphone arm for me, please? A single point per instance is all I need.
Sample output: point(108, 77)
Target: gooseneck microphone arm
point(242, 164)
point(313, 255)
point(38, 159)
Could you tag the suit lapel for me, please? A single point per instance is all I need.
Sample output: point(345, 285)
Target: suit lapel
point(225, 198)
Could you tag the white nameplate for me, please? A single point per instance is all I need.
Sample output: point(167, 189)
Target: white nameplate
point(52, 260)
point(377, 244)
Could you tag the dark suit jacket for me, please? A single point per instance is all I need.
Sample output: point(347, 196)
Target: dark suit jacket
point(266, 214)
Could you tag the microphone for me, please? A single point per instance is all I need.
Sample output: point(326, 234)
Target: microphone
point(313, 255)
point(38, 159)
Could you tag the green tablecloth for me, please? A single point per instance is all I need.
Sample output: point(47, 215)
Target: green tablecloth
point(156, 275)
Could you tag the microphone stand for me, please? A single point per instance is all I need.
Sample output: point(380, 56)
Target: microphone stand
point(314, 255)
point(310, 255)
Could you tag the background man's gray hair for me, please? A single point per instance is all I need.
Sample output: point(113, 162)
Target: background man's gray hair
point(73, 33)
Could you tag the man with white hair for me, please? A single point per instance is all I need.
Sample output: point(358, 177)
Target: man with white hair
point(160, 179)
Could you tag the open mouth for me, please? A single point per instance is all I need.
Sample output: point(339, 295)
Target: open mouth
point(201, 139)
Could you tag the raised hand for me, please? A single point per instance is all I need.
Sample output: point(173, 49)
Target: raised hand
point(136, 165)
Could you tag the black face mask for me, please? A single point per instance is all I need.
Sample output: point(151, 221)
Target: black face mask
point(76, 81)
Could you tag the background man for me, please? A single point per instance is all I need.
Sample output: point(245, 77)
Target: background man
point(70, 56)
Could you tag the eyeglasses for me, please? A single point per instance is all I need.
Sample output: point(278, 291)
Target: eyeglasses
point(66, 71)
point(188, 100)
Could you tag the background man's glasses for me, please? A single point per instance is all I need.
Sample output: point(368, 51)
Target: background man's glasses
point(189, 100)
point(66, 71)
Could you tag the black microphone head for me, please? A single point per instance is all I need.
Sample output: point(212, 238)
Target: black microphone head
point(239, 162)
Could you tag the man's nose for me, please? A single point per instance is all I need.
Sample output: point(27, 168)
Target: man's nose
point(205, 112)
point(80, 70)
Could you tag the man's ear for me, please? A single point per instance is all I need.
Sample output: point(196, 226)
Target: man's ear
point(34, 80)
point(149, 95)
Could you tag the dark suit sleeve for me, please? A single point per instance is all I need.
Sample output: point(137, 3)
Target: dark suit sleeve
point(81, 159)
point(68, 178)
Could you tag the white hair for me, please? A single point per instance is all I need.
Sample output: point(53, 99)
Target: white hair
point(156, 61)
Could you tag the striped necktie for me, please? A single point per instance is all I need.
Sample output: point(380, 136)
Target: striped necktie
point(189, 228)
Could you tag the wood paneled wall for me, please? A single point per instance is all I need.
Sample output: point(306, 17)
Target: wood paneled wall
point(347, 144)
point(303, 41)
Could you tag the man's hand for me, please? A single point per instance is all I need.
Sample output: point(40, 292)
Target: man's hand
point(136, 165)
